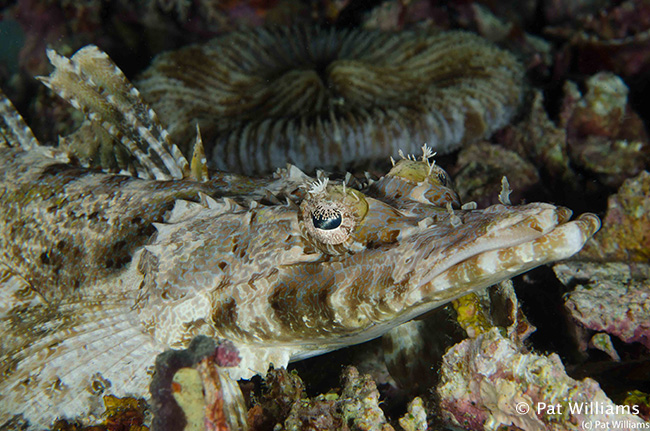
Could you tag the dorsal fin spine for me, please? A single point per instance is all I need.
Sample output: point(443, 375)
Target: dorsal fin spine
point(92, 83)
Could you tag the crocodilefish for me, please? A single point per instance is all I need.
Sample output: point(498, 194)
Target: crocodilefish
point(106, 264)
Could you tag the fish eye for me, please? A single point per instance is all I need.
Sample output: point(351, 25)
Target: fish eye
point(326, 220)
point(328, 217)
point(442, 178)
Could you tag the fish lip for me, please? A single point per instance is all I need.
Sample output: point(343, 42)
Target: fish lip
point(564, 239)
point(519, 225)
point(592, 223)
point(563, 215)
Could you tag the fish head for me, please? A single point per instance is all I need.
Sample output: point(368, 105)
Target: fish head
point(338, 266)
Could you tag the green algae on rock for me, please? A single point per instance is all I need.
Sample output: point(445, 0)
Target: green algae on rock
point(356, 406)
point(625, 235)
point(324, 98)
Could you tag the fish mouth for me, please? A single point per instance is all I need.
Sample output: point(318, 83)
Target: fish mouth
point(544, 237)
point(519, 239)
point(490, 246)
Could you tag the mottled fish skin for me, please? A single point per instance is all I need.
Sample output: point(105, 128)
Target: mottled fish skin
point(68, 235)
point(101, 272)
point(65, 226)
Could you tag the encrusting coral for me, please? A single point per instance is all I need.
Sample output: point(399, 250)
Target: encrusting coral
point(491, 382)
point(611, 297)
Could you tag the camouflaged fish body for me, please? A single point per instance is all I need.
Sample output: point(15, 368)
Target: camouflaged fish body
point(101, 272)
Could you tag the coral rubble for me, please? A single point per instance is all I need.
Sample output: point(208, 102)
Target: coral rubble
point(609, 297)
point(491, 383)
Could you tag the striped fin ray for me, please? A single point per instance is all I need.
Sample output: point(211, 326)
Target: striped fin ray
point(51, 351)
point(13, 130)
point(92, 83)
